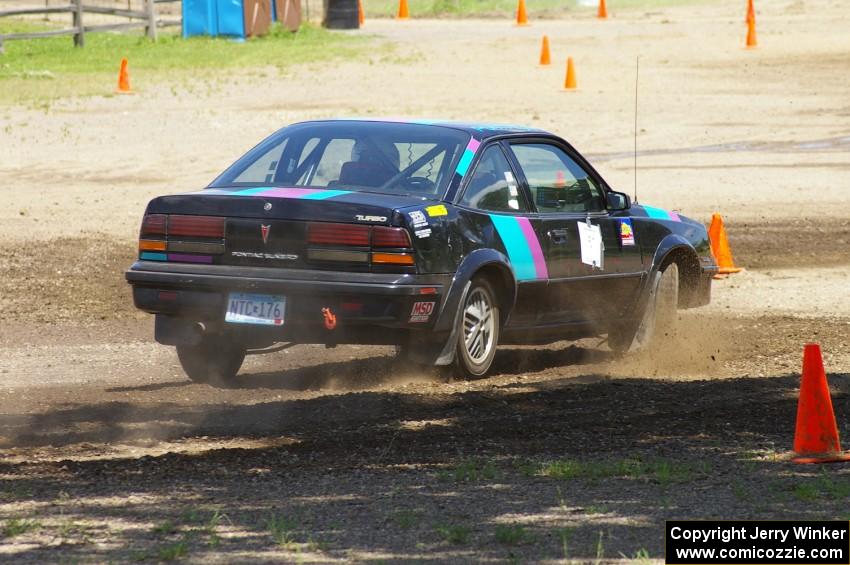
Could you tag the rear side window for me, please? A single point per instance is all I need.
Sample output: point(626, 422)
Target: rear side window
point(556, 182)
point(492, 186)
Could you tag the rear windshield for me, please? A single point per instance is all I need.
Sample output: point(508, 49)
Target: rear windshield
point(390, 158)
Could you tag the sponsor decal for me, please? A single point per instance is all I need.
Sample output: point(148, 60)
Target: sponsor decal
point(627, 233)
point(362, 218)
point(264, 231)
point(421, 312)
point(274, 256)
point(423, 233)
point(523, 247)
point(418, 219)
point(438, 210)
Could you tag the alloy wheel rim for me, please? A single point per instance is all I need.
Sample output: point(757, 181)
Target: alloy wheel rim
point(478, 326)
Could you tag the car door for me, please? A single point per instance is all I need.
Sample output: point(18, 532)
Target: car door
point(504, 218)
point(565, 194)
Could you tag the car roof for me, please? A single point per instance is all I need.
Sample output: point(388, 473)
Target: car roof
point(480, 130)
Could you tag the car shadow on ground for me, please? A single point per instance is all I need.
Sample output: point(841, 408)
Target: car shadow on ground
point(389, 472)
point(360, 374)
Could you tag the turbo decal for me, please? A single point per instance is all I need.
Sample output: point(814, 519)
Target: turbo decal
point(522, 246)
point(661, 214)
point(466, 158)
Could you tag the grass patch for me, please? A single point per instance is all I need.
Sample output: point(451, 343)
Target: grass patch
point(174, 551)
point(470, 472)
point(406, 519)
point(455, 534)
point(17, 526)
point(822, 488)
point(512, 534)
point(282, 530)
point(48, 68)
point(660, 471)
point(507, 8)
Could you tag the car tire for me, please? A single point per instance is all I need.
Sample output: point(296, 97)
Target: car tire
point(215, 360)
point(659, 318)
point(477, 330)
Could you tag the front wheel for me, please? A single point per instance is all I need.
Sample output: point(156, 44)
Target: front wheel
point(659, 318)
point(477, 330)
point(215, 360)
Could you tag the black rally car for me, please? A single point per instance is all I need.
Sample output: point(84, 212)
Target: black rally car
point(444, 239)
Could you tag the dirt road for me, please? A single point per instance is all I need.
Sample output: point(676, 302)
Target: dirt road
point(110, 454)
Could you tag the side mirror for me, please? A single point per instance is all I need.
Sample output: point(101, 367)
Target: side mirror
point(618, 201)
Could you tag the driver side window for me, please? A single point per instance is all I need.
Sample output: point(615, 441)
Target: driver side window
point(492, 186)
point(556, 182)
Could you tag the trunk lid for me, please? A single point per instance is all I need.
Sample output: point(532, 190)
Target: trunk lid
point(269, 226)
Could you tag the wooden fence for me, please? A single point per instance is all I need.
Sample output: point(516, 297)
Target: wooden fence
point(138, 18)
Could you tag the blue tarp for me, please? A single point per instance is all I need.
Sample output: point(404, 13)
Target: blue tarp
point(213, 17)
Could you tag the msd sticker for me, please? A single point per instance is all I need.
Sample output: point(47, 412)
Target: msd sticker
point(421, 312)
point(627, 233)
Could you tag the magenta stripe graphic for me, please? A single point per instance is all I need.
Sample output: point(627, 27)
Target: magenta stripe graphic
point(473, 145)
point(534, 247)
point(290, 192)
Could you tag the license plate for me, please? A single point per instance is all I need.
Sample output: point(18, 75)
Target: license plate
point(262, 309)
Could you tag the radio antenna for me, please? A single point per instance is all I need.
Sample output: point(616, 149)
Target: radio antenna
point(637, 74)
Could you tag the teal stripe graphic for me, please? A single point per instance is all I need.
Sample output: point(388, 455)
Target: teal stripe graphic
point(656, 213)
point(250, 191)
point(148, 256)
point(465, 160)
point(517, 247)
point(324, 194)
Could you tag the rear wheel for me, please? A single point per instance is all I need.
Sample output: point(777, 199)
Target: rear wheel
point(215, 360)
point(659, 318)
point(478, 330)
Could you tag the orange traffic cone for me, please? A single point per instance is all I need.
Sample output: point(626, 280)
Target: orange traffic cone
point(521, 14)
point(751, 12)
point(545, 57)
point(720, 246)
point(603, 10)
point(124, 78)
point(570, 80)
point(403, 12)
point(816, 435)
point(752, 41)
point(361, 18)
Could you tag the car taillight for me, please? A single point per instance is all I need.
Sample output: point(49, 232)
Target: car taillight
point(154, 224)
point(393, 259)
point(338, 234)
point(196, 226)
point(181, 238)
point(390, 237)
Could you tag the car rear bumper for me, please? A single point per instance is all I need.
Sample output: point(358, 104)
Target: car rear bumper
point(199, 293)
